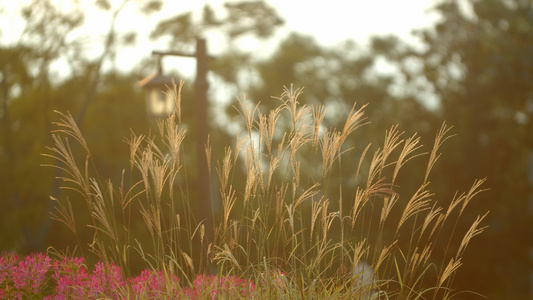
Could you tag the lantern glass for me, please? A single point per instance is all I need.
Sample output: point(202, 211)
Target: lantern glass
point(159, 102)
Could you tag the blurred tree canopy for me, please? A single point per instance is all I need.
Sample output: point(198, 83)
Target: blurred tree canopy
point(475, 64)
point(478, 61)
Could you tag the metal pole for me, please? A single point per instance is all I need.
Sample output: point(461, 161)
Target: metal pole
point(201, 86)
point(203, 189)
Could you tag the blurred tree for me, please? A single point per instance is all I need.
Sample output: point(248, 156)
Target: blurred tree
point(30, 93)
point(26, 91)
point(477, 60)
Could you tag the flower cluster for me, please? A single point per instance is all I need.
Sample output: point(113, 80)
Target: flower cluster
point(25, 277)
point(152, 284)
point(38, 276)
point(74, 281)
point(212, 287)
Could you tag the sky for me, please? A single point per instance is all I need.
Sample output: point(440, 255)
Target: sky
point(354, 19)
point(334, 21)
point(330, 22)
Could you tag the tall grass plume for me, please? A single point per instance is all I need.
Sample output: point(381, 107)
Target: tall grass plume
point(286, 220)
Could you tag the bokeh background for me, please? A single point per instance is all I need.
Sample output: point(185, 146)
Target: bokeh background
point(469, 63)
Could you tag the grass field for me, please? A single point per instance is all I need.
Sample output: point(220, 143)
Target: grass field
point(286, 226)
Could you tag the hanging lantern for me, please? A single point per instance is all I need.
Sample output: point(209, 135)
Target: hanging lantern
point(159, 100)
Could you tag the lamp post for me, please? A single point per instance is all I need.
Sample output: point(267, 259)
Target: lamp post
point(159, 103)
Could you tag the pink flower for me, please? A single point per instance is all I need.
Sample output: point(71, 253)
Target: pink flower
point(72, 279)
point(8, 267)
point(32, 272)
point(152, 284)
point(212, 287)
point(37, 276)
point(23, 279)
point(106, 280)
